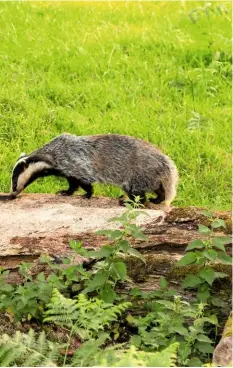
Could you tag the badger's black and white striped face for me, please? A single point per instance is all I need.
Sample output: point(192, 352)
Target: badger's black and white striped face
point(25, 172)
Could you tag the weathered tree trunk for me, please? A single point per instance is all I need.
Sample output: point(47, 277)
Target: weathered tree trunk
point(38, 224)
point(223, 352)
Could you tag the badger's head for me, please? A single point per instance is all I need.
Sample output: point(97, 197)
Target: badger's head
point(25, 171)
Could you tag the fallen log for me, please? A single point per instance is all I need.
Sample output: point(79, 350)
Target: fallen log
point(36, 224)
point(223, 353)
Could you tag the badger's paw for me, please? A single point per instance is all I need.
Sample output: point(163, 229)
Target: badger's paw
point(64, 193)
point(87, 195)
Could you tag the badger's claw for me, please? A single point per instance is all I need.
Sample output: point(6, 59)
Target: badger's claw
point(64, 193)
point(87, 195)
point(121, 202)
point(12, 196)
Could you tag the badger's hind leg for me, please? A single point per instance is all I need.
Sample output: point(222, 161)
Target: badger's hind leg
point(88, 188)
point(73, 186)
point(160, 195)
point(132, 193)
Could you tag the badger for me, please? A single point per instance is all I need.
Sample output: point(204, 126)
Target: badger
point(130, 163)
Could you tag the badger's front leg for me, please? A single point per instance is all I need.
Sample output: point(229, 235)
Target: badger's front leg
point(73, 186)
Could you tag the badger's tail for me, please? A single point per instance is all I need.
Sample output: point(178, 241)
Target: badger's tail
point(169, 182)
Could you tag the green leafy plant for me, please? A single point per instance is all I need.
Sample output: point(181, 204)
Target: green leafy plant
point(203, 253)
point(26, 351)
point(67, 274)
point(110, 267)
point(83, 316)
point(90, 352)
point(26, 300)
point(164, 292)
point(170, 321)
point(112, 357)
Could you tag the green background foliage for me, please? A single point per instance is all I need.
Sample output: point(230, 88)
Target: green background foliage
point(160, 71)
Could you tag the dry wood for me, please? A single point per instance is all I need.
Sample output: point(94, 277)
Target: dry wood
point(38, 224)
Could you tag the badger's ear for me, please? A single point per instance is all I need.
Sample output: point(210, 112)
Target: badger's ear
point(23, 154)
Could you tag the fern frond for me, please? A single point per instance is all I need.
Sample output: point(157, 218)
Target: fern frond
point(85, 356)
point(61, 308)
point(165, 358)
point(86, 317)
point(24, 350)
point(134, 358)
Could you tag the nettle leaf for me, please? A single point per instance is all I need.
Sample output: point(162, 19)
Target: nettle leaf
point(218, 223)
point(204, 347)
point(212, 319)
point(41, 277)
point(210, 254)
point(136, 292)
point(136, 340)
point(98, 280)
point(218, 245)
point(136, 232)
point(222, 240)
point(78, 248)
point(184, 349)
point(204, 338)
point(120, 269)
point(121, 219)
point(134, 252)
point(188, 258)
point(7, 288)
point(218, 302)
point(180, 330)
point(104, 252)
point(207, 274)
point(167, 303)
point(116, 234)
point(203, 293)
point(202, 229)
point(220, 275)
point(224, 258)
point(196, 244)
point(123, 245)
point(143, 213)
point(191, 281)
point(162, 282)
point(200, 261)
point(206, 213)
point(195, 362)
point(111, 234)
point(107, 294)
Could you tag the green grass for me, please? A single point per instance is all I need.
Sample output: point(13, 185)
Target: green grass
point(158, 71)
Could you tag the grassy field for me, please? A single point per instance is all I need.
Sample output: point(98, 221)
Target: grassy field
point(155, 70)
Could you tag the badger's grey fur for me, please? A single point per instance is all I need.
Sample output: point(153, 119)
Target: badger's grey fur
point(133, 164)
